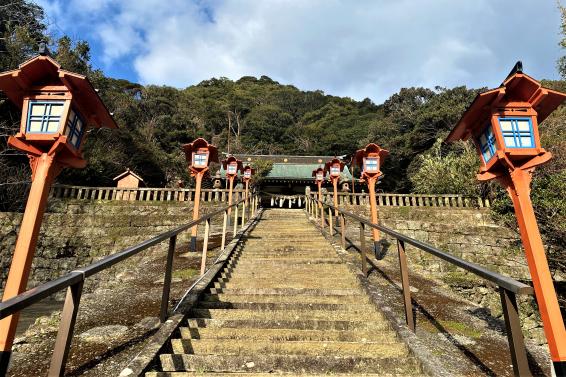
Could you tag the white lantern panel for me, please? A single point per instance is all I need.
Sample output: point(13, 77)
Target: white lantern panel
point(319, 176)
point(232, 169)
point(247, 174)
point(517, 132)
point(44, 116)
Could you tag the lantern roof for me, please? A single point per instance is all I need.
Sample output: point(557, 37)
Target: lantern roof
point(517, 89)
point(315, 171)
point(43, 72)
point(335, 160)
point(358, 158)
point(189, 148)
point(231, 159)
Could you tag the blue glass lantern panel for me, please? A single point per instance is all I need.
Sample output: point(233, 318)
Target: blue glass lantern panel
point(371, 164)
point(232, 169)
point(335, 170)
point(487, 144)
point(75, 129)
point(200, 160)
point(517, 132)
point(44, 117)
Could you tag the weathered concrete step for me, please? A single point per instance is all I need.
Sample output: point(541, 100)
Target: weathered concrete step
point(288, 291)
point(288, 363)
point(226, 347)
point(282, 306)
point(307, 281)
point(283, 277)
point(240, 374)
point(291, 284)
point(357, 314)
point(300, 298)
point(307, 269)
point(293, 255)
point(300, 251)
point(285, 262)
point(383, 336)
point(308, 324)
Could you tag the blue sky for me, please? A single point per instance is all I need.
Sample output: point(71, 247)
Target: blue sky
point(362, 48)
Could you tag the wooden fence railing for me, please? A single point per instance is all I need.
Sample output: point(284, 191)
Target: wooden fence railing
point(141, 194)
point(221, 195)
point(407, 200)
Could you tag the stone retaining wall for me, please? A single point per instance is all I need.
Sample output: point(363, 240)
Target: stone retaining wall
point(76, 233)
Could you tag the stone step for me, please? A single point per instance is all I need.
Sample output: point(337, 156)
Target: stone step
point(265, 306)
point(313, 348)
point(288, 291)
point(299, 299)
point(253, 283)
point(240, 374)
point(288, 262)
point(383, 336)
point(337, 281)
point(306, 269)
point(356, 314)
point(306, 324)
point(295, 364)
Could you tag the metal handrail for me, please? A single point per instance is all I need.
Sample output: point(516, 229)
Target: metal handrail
point(74, 280)
point(501, 280)
point(508, 287)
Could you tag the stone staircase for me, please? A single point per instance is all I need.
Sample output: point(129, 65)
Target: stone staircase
point(285, 304)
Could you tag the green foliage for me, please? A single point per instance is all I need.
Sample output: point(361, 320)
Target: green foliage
point(451, 171)
point(561, 63)
point(262, 169)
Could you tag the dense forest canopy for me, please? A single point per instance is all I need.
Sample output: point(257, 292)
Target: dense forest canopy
point(262, 116)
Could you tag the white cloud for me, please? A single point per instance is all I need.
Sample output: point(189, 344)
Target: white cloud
point(365, 48)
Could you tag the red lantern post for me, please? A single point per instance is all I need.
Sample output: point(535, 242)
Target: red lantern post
point(231, 166)
point(503, 124)
point(248, 172)
point(58, 107)
point(334, 167)
point(369, 159)
point(199, 154)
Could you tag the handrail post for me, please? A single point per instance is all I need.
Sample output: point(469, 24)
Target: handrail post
point(205, 246)
point(167, 280)
point(224, 226)
point(244, 209)
point(66, 329)
point(330, 225)
point(235, 221)
point(514, 334)
point(363, 249)
point(343, 230)
point(322, 220)
point(405, 285)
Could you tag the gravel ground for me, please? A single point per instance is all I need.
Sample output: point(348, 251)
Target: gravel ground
point(115, 319)
point(463, 336)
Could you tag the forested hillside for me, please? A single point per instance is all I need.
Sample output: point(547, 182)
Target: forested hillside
point(259, 115)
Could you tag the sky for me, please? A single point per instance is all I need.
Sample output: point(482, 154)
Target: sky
point(353, 48)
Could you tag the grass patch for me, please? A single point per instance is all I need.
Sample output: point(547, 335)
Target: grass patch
point(186, 273)
point(453, 327)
